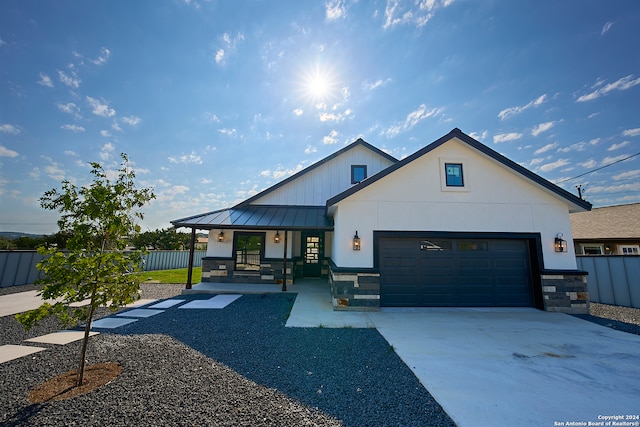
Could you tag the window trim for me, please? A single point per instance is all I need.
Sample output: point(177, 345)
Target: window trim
point(464, 169)
point(353, 169)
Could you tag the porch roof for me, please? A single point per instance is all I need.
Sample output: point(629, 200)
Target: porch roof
point(261, 217)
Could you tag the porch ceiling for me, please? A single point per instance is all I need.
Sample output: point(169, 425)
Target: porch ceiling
point(256, 217)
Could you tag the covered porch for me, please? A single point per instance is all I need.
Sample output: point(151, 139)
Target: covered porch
point(262, 245)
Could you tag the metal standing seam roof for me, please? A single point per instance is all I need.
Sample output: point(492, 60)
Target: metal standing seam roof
point(257, 217)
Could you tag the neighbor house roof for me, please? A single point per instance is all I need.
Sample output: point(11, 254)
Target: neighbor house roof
point(259, 217)
point(609, 222)
point(578, 203)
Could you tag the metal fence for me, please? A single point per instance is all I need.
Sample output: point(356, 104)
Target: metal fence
point(612, 279)
point(19, 267)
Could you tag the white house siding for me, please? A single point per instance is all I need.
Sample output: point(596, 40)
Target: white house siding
point(411, 198)
point(314, 187)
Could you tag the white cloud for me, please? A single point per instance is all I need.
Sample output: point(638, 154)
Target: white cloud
point(617, 146)
point(115, 126)
point(131, 120)
point(416, 13)
point(54, 172)
point(545, 148)
point(632, 187)
point(606, 27)
point(100, 108)
point(45, 80)
point(106, 150)
point(623, 83)
point(310, 149)
point(10, 129)
point(512, 111)
point(608, 160)
point(335, 9)
point(229, 132)
point(554, 165)
point(73, 128)
point(330, 117)
point(631, 132)
point(298, 112)
point(5, 152)
point(480, 136)
point(368, 85)
point(70, 108)
point(626, 175)
point(206, 181)
point(542, 127)
point(105, 133)
point(219, 56)
point(281, 173)
point(71, 81)
point(187, 158)
point(171, 193)
point(211, 117)
point(412, 119)
point(591, 163)
point(578, 146)
point(102, 58)
point(506, 137)
point(331, 138)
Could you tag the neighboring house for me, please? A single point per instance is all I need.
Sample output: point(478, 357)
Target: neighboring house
point(610, 230)
point(454, 224)
point(201, 243)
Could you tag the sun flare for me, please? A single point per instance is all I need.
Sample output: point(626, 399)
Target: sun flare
point(318, 84)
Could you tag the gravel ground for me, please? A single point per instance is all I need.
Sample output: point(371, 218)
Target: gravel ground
point(235, 366)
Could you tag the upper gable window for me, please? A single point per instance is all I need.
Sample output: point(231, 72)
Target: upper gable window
point(453, 174)
point(358, 173)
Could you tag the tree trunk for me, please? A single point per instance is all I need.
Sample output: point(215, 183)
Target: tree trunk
point(85, 340)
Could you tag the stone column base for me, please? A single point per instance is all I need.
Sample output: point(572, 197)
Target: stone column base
point(565, 293)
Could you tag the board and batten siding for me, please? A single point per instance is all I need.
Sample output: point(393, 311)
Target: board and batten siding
point(316, 186)
point(495, 199)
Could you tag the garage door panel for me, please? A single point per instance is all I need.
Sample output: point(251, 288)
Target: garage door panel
point(455, 272)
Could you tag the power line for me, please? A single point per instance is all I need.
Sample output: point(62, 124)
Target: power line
point(597, 169)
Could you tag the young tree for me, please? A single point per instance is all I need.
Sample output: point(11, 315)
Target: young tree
point(98, 219)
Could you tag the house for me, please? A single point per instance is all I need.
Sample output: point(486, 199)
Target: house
point(454, 224)
point(609, 230)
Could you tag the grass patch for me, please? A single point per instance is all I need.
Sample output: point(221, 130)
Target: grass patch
point(171, 276)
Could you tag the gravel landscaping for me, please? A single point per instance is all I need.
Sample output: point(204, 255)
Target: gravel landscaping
point(234, 366)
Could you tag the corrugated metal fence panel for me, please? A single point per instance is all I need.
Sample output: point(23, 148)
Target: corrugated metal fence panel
point(19, 267)
point(166, 260)
point(612, 279)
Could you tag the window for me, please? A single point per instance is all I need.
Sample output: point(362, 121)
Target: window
point(453, 173)
point(358, 173)
point(592, 250)
point(248, 249)
point(629, 250)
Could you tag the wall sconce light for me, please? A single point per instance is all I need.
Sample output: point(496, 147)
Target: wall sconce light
point(356, 242)
point(276, 238)
point(560, 244)
point(221, 237)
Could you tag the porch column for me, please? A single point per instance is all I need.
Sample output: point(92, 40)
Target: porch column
point(284, 267)
point(191, 250)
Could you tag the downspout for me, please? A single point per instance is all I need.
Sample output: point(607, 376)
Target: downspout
point(284, 267)
point(191, 250)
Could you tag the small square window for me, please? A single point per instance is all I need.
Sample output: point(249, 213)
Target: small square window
point(358, 173)
point(453, 173)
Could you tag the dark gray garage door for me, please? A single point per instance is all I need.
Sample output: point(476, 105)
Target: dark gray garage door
point(426, 272)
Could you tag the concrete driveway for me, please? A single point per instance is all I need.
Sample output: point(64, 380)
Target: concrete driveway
point(509, 367)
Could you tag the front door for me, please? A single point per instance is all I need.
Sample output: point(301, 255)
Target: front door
point(312, 253)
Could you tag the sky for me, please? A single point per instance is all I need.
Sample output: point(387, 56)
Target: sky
point(214, 101)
